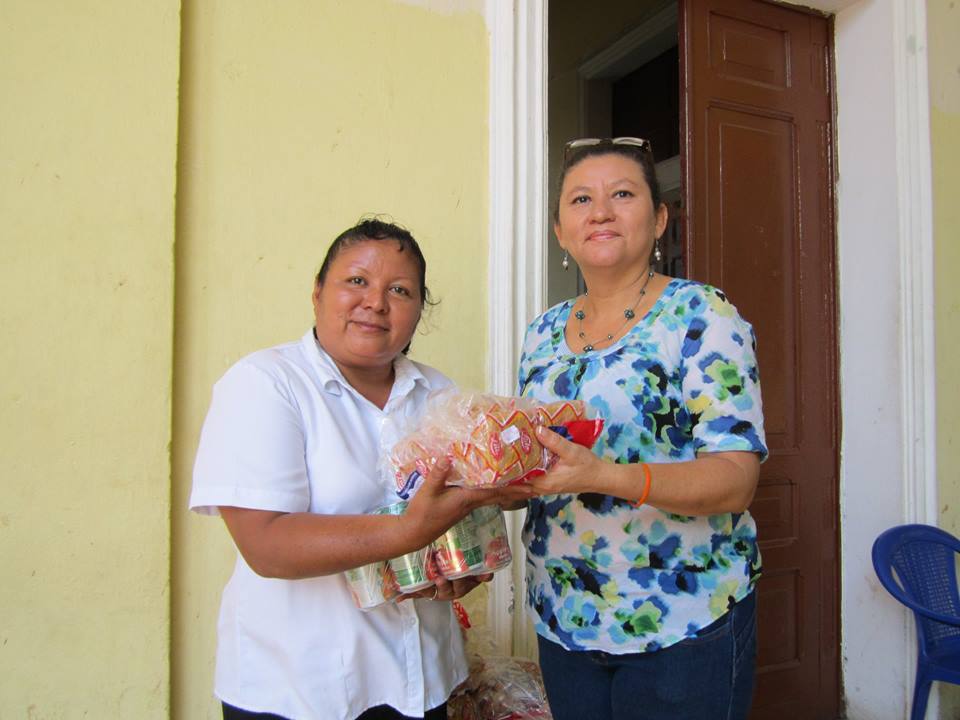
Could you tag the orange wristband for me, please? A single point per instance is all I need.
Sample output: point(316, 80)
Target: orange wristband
point(646, 487)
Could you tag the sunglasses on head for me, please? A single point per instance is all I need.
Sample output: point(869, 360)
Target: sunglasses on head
point(579, 143)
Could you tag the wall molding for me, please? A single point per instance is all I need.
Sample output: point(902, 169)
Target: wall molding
point(517, 257)
point(916, 248)
point(916, 262)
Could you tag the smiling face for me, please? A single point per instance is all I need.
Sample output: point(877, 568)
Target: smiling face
point(606, 215)
point(367, 306)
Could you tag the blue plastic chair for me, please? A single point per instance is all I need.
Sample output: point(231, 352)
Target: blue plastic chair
point(917, 565)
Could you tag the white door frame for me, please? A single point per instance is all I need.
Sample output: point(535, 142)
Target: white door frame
point(885, 297)
point(516, 286)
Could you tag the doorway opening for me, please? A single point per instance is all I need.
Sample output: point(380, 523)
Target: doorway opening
point(619, 77)
point(715, 82)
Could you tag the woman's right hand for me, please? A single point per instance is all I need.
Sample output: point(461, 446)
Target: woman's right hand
point(436, 506)
point(576, 470)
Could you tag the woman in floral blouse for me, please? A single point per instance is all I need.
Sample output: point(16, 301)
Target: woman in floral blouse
point(641, 555)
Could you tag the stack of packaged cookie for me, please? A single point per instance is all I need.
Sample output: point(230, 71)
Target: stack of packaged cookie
point(476, 545)
point(490, 440)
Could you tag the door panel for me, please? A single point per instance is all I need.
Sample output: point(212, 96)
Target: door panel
point(755, 238)
point(758, 223)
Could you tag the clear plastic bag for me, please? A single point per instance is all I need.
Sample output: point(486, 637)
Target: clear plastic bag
point(491, 440)
point(476, 545)
point(372, 585)
point(500, 688)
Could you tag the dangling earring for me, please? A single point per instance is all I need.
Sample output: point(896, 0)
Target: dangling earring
point(657, 255)
point(566, 260)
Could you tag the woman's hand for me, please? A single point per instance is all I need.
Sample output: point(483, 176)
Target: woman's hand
point(436, 506)
point(444, 589)
point(577, 469)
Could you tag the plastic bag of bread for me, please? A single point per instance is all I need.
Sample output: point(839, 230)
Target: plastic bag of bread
point(491, 440)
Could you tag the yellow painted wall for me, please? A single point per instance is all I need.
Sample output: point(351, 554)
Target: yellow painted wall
point(88, 126)
point(943, 22)
point(943, 29)
point(296, 118)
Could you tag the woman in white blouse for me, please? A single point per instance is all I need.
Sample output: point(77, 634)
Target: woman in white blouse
point(288, 456)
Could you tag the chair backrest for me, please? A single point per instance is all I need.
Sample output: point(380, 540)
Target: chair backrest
point(924, 560)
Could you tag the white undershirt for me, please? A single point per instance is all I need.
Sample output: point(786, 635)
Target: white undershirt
point(286, 432)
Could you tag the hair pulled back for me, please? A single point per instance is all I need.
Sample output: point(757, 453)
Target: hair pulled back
point(641, 156)
point(375, 229)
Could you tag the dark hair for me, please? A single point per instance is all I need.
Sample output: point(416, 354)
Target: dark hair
point(376, 229)
point(641, 156)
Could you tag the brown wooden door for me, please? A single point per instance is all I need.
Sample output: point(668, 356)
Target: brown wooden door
point(757, 149)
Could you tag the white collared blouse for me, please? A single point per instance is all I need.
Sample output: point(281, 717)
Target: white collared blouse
point(286, 432)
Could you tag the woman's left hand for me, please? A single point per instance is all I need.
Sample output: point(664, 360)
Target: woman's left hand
point(444, 589)
point(577, 469)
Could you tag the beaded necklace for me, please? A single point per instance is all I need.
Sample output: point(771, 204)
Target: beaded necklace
point(628, 315)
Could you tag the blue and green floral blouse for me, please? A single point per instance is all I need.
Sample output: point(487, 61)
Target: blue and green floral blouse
point(602, 575)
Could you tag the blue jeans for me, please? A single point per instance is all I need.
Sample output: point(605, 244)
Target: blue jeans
point(706, 677)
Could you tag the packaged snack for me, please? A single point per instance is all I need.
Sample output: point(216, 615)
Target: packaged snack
point(490, 440)
point(413, 571)
point(372, 585)
point(492, 535)
point(458, 552)
point(476, 545)
point(462, 706)
point(500, 688)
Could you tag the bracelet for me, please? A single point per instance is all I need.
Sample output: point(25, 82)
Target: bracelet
point(646, 487)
